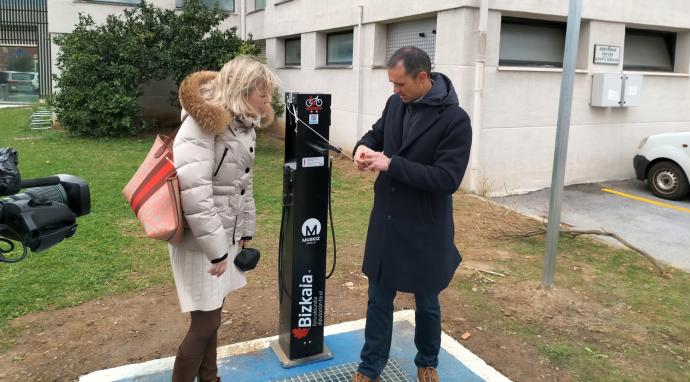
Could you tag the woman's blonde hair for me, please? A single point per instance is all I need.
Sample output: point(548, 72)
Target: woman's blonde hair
point(235, 81)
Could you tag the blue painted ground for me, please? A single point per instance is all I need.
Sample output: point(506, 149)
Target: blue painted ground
point(263, 365)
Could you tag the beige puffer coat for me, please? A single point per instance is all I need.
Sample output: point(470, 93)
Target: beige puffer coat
point(214, 156)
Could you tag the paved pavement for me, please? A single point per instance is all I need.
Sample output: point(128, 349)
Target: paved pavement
point(660, 227)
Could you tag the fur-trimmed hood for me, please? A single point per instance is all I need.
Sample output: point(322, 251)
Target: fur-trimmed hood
point(209, 117)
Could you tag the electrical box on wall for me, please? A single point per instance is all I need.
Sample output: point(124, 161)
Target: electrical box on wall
point(606, 89)
point(632, 84)
point(616, 90)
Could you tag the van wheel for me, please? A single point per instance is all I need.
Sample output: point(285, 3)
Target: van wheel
point(667, 180)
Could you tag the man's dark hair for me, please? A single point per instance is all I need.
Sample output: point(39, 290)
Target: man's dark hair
point(414, 60)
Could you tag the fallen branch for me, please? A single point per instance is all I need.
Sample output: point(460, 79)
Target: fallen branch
point(485, 271)
point(623, 241)
point(572, 234)
point(483, 276)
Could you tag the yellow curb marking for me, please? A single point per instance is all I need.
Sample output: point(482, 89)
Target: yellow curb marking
point(681, 209)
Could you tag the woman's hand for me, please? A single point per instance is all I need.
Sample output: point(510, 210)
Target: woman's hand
point(219, 268)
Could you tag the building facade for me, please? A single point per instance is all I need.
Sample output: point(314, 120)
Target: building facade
point(505, 59)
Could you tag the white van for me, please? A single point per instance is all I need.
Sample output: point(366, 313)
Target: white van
point(664, 160)
point(19, 82)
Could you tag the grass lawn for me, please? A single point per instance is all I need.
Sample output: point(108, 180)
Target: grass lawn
point(610, 318)
point(102, 258)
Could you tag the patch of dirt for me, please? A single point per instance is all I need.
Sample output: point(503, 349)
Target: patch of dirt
point(567, 310)
point(508, 354)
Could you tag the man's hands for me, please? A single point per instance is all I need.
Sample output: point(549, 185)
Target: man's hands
point(367, 159)
point(360, 155)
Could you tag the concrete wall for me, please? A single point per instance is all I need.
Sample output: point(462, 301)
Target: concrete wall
point(521, 106)
point(155, 103)
point(516, 138)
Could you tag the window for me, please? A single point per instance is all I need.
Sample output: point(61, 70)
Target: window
point(19, 79)
point(527, 42)
point(223, 5)
point(259, 4)
point(262, 49)
point(649, 50)
point(133, 2)
point(339, 48)
point(419, 33)
point(293, 52)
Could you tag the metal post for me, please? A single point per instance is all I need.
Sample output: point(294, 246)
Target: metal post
point(478, 96)
point(572, 37)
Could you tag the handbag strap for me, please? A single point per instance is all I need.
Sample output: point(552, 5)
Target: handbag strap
point(168, 139)
point(159, 174)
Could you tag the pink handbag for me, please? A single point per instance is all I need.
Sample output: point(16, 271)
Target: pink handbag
point(154, 194)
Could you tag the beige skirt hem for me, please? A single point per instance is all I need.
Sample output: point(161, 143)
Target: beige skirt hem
point(196, 288)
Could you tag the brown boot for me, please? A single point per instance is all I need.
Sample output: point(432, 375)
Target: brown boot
point(208, 371)
point(186, 367)
point(427, 374)
point(359, 377)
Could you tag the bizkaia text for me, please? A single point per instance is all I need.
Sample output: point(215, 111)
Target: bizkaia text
point(305, 304)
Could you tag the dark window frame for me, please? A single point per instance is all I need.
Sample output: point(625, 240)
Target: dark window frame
point(670, 38)
point(285, 53)
point(350, 32)
point(234, 6)
point(532, 22)
point(116, 2)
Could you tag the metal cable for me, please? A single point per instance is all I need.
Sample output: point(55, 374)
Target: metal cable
point(294, 114)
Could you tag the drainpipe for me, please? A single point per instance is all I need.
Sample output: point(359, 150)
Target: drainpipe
point(358, 74)
point(478, 96)
point(243, 19)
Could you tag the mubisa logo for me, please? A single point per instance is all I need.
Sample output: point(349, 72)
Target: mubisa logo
point(311, 231)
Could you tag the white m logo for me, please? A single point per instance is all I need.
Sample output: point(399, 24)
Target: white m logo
point(311, 227)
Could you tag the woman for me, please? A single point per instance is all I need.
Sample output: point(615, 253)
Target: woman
point(214, 155)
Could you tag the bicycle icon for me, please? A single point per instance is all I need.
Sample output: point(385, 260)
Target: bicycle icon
point(314, 104)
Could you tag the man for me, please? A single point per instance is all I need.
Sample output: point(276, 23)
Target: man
point(420, 146)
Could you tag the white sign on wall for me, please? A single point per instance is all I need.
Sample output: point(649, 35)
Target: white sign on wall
point(607, 54)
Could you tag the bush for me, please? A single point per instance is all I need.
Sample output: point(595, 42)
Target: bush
point(103, 67)
point(277, 103)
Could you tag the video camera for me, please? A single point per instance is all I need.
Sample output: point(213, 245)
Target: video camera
point(44, 214)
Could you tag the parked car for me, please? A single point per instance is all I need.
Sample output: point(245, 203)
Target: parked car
point(19, 82)
point(664, 161)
